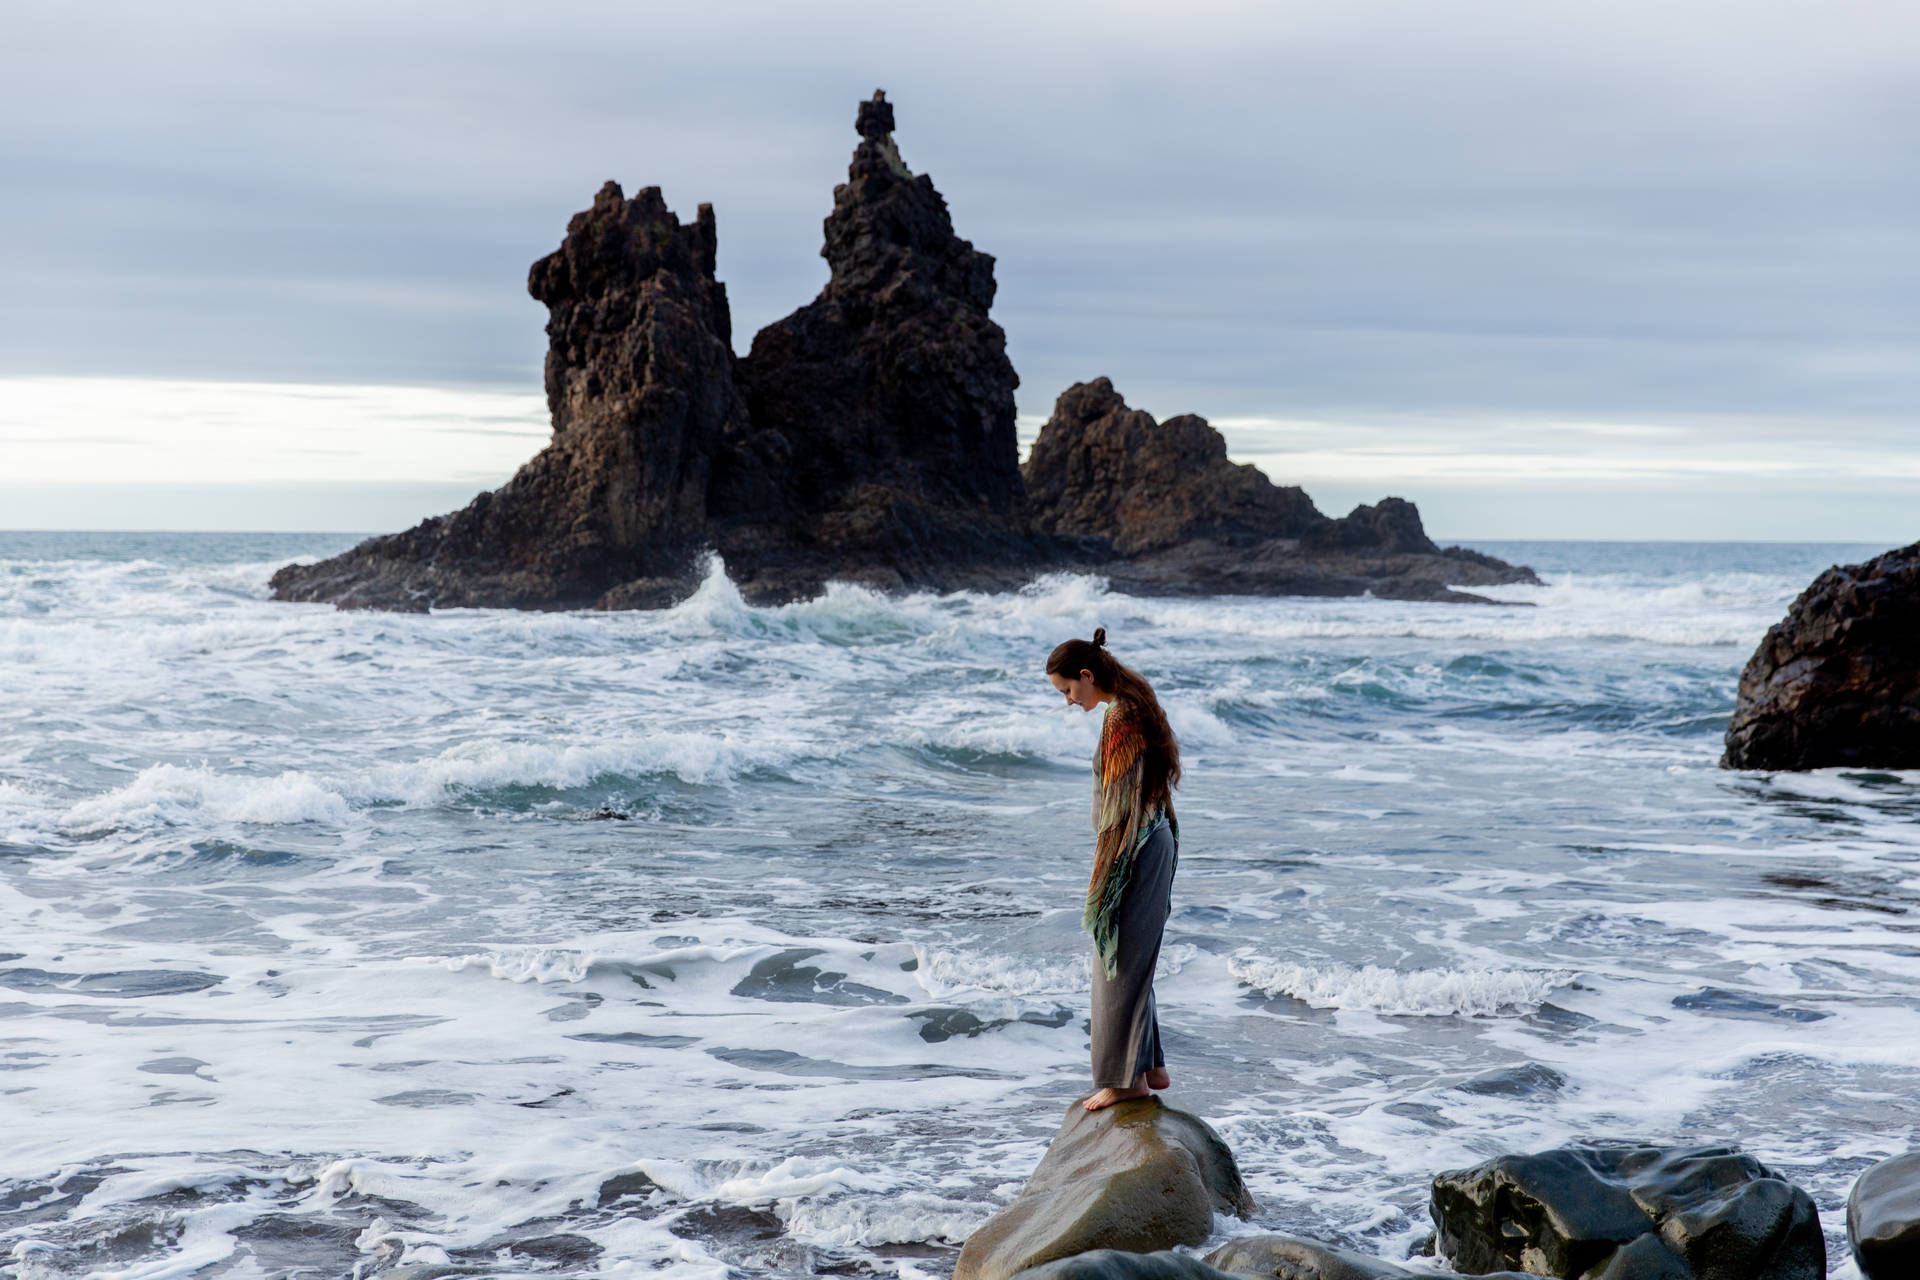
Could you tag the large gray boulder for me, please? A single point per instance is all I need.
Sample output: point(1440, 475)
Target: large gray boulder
point(1629, 1213)
point(1139, 1176)
point(1837, 681)
point(1883, 1219)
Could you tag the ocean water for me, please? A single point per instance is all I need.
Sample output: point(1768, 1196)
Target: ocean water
point(725, 941)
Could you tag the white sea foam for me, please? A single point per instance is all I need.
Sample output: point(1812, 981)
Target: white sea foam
point(1447, 810)
point(172, 795)
point(1434, 992)
point(527, 964)
point(911, 1218)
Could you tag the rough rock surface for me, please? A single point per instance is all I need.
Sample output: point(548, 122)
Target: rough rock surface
point(1104, 470)
point(883, 410)
point(867, 437)
point(1186, 520)
point(1138, 1176)
point(1883, 1219)
point(1837, 681)
point(640, 385)
point(1629, 1213)
point(1275, 1257)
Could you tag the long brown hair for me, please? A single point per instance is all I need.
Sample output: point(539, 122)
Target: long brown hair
point(1070, 657)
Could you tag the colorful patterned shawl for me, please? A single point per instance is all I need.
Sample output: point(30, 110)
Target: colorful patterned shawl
point(1121, 824)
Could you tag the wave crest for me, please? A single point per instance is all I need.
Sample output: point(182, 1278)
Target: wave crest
point(1476, 993)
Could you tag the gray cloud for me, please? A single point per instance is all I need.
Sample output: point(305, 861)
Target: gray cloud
point(1499, 208)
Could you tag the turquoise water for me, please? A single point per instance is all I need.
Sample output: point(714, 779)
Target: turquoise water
point(733, 941)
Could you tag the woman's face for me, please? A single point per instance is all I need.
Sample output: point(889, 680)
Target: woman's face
point(1080, 691)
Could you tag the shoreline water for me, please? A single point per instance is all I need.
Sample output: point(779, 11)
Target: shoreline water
point(328, 947)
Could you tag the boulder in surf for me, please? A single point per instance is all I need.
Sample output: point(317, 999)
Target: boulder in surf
point(1139, 1176)
point(1883, 1219)
point(1837, 681)
point(1629, 1213)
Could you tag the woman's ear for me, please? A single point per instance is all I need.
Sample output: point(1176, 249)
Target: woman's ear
point(1086, 675)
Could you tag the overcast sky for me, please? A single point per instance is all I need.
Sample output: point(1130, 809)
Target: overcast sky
point(1592, 264)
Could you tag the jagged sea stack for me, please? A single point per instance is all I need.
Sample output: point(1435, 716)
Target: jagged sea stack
point(868, 437)
point(885, 406)
point(1837, 681)
point(639, 380)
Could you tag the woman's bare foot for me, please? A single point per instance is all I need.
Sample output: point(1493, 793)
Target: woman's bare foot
point(1107, 1097)
point(1158, 1078)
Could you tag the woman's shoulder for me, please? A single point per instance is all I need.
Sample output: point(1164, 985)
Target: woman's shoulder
point(1123, 720)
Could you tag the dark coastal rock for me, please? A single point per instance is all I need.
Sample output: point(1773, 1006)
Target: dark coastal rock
point(867, 437)
point(1184, 520)
point(1139, 1176)
point(1391, 525)
point(1837, 681)
point(1629, 1213)
point(1883, 1219)
point(1276, 1257)
point(639, 381)
point(1101, 469)
point(882, 444)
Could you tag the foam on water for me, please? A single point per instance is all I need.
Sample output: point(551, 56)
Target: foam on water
point(1469, 992)
point(736, 941)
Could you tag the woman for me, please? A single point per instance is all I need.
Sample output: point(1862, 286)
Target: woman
point(1136, 848)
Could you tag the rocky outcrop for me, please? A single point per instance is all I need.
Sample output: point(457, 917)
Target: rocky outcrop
point(867, 437)
point(1629, 1213)
point(1138, 1176)
point(1183, 519)
point(1837, 681)
point(640, 385)
point(883, 410)
point(1883, 1219)
point(1100, 469)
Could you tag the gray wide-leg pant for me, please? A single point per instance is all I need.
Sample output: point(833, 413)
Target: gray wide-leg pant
point(1126, 1032)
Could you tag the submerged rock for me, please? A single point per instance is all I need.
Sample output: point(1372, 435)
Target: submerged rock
point(1837, 681)
point(1629, 1213)
point(1119, 1264)
point(1883, 1219)
point(1276, 1257)
point(1139, 1176)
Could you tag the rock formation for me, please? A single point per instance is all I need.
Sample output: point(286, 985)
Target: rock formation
point(1883, 1219)
point(1629, 1213)
point(1138, 1176)
point(1101, 469)
point(867, 437)
point(1837, 681)
point(885, 406)
point(1186, 520)
point(640, 385)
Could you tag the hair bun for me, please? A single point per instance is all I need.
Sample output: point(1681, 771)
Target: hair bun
point(1099, 637)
